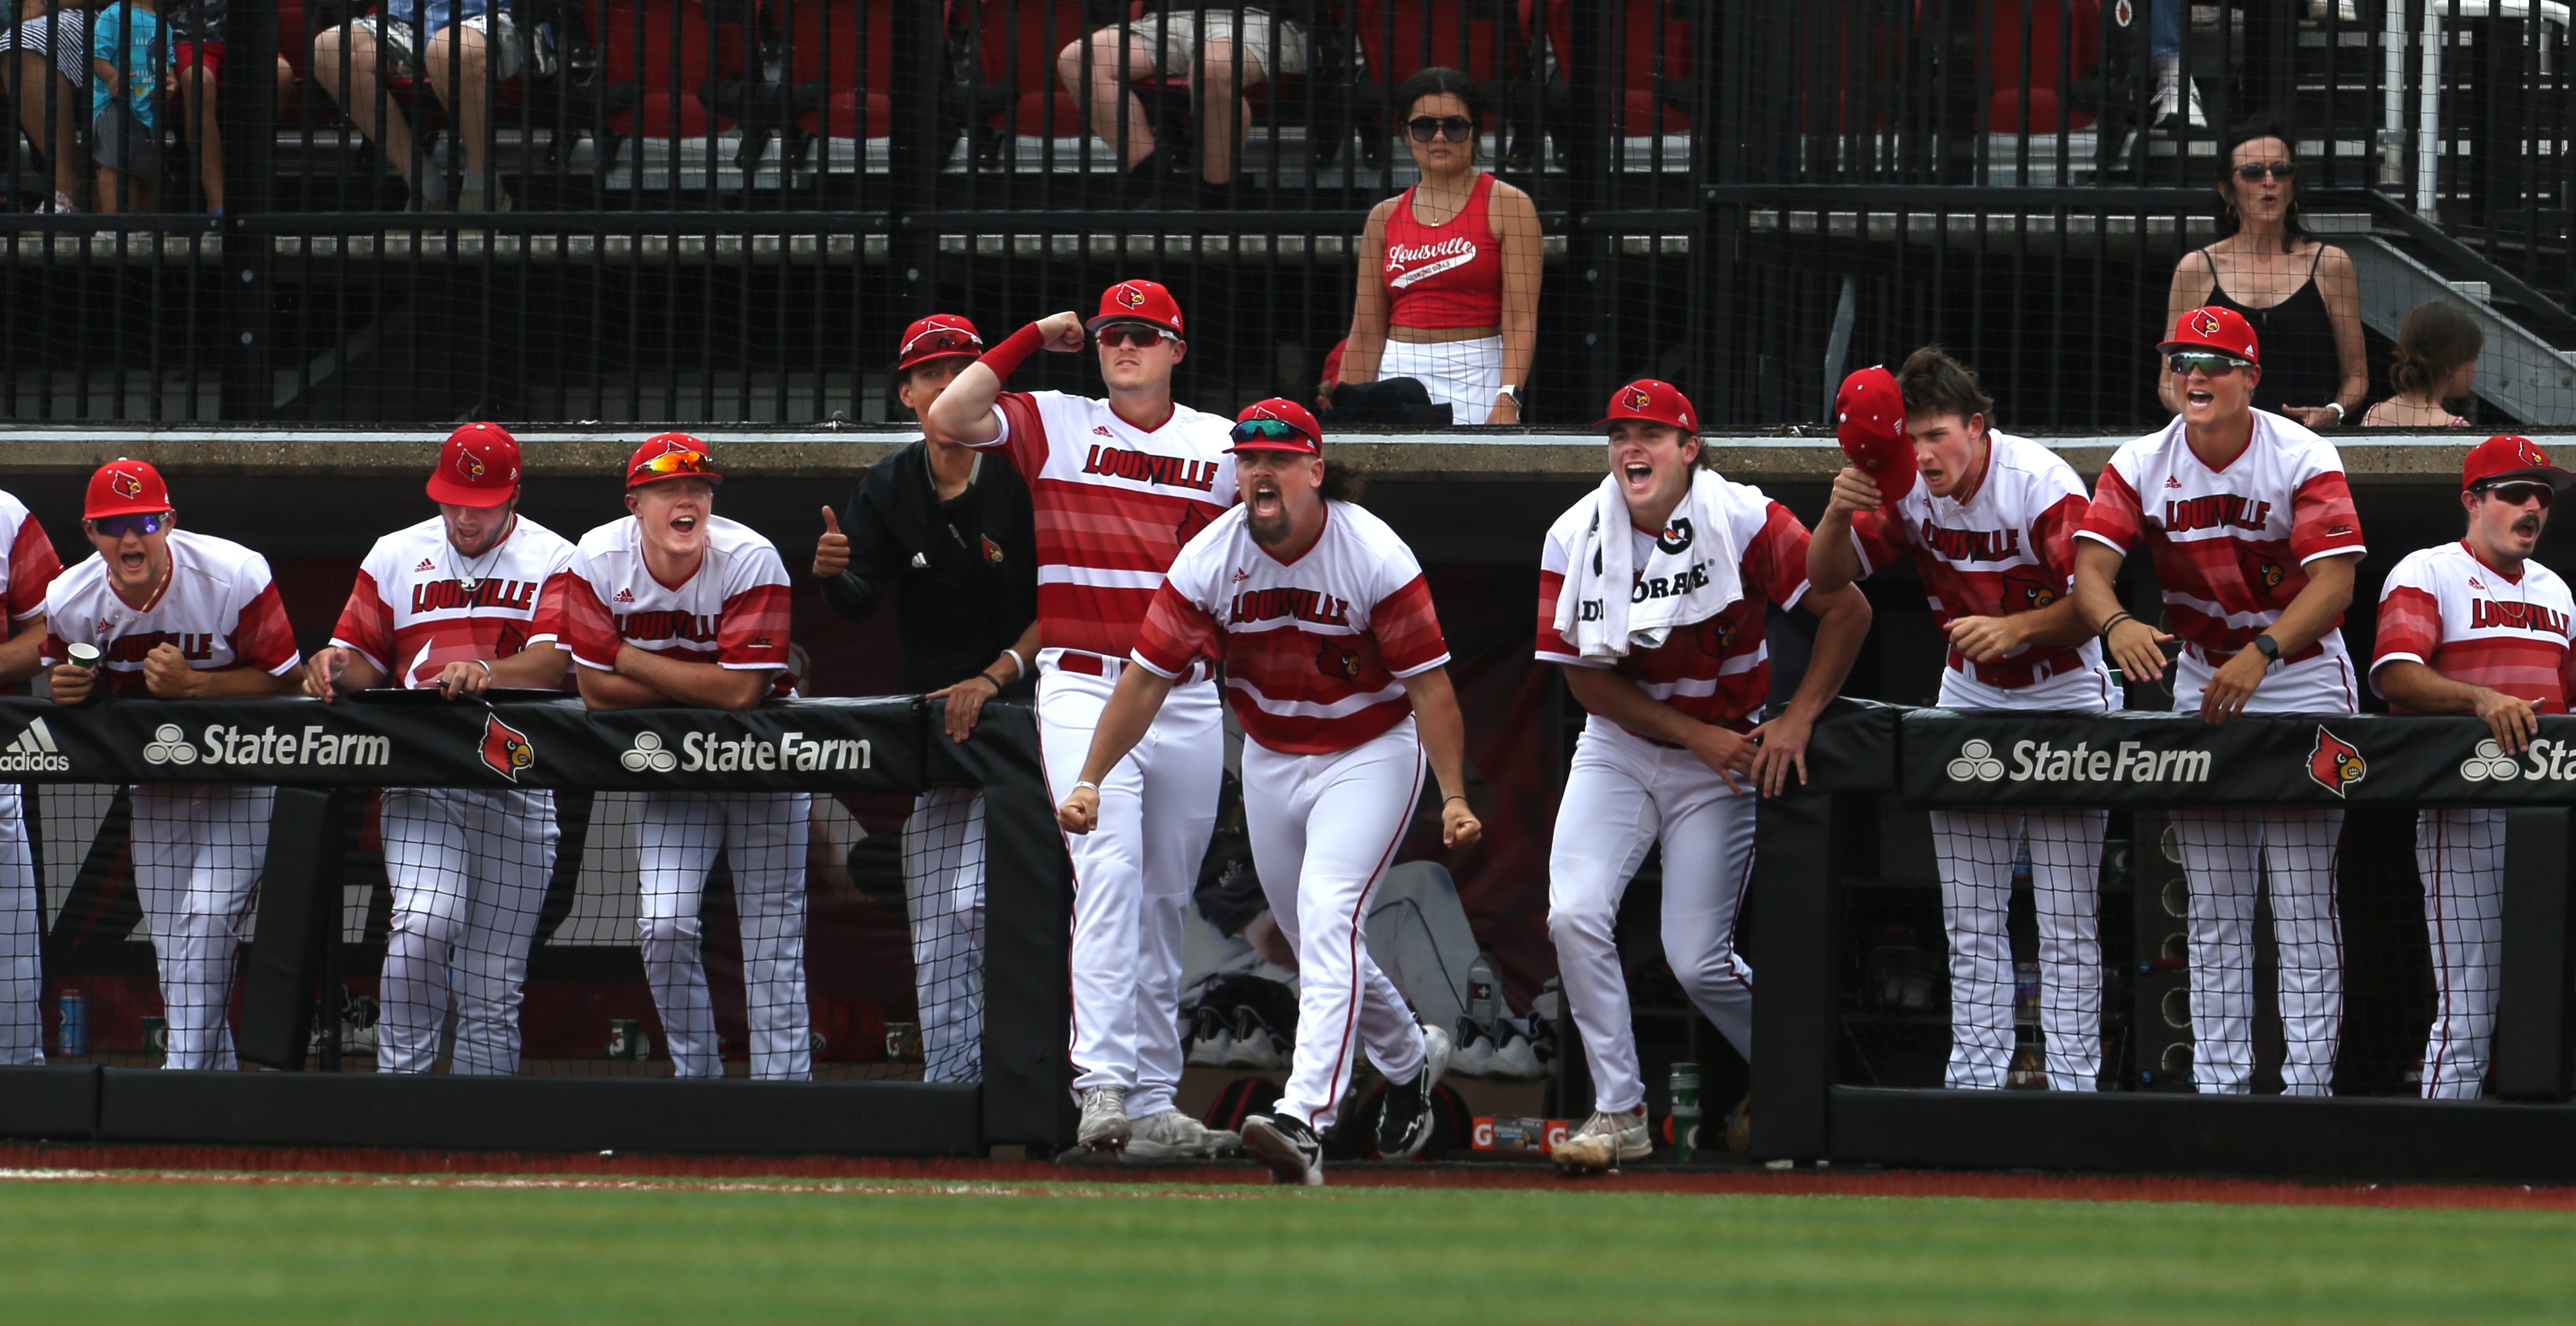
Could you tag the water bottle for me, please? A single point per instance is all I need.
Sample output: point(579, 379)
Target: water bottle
point(1685, 1090)
point(1484, 997)
point(75, 1035)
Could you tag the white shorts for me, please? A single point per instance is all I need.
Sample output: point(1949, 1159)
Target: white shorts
point(71, 53)
point(400, 45)
point(1463, 375)
point(1268, 45)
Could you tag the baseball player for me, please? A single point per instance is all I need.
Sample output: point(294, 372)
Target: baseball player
point(675, 605)
point(176, 615)
point(29, 567)
point(1652, 595)
point(2255, 540)
point(454, 604)
point(1333, 663)
point(1991, 531)
point(2476, 627)
point(958, 537)
point(1119, 485)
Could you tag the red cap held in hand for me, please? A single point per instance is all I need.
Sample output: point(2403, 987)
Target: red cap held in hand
point(938, 336)
point(670, 456)
point(123, 488)
point(1652, 401)
point(1138, 301)
point(1869, 421)
point(478, 467)
point(1265, 425)
point(2222, 329)
point(2506, 458)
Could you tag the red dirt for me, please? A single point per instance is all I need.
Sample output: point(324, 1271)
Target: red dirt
point(1712, 1179)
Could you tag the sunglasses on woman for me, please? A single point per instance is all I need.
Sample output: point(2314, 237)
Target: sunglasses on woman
point(2207, 363)
point(117, 527)
point(1131, 333)
point(1455, 128)
point(2253, 171)
point(2515, 494)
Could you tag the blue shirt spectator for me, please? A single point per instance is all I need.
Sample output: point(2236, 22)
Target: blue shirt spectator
point(130, 39)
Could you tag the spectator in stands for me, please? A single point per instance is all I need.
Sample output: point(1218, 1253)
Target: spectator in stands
point(2177, 106)
point(1221, 51)
point(129, 53)
point(2436, 362)
point(44, 68)
point(1449, 269)
point(2299, 292)
point(461, 48)
point(197, 67)
point(957, 540)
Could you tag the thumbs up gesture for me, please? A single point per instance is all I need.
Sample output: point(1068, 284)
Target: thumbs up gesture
point(832, 551)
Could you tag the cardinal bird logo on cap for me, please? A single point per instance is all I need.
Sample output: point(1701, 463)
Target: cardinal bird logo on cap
point(2336, 764)
point(126, 484)
point(469, 464)
point(1639, 400)
point(2206, 323)
point(2529, 452)
point(1335, 661)
point(1131, 296)
point(506, 750)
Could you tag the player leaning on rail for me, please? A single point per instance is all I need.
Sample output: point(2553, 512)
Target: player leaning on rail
point(27, 567)
point(2476, 627)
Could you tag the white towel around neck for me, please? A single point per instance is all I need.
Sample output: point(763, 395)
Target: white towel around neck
point(1690, 576)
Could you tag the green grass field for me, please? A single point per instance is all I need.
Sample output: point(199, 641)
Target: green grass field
point(391, 1251)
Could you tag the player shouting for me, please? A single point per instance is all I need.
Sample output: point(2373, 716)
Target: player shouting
point(1119, 485)
point(26, 569)
point(2476, 627)
point(1652, 592)
point(457, 603)
point(1991, 530)
point(176, 616)
point(678, 606)
point(1333, 663)
point(956, 536)
point(2255, 540)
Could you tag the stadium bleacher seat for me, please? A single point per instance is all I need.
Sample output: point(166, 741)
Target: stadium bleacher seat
point(2053, 57)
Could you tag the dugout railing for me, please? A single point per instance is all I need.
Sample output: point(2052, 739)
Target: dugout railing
point(1826, 853)
point(325, 758)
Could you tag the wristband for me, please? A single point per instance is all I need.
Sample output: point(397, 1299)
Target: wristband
point(1086, 783)
point(1453, 799)
point(1003, 359)
point(2113, 620)
point(1018, 662)
point(997, 685)
point(488, 673)
point(2337, 407)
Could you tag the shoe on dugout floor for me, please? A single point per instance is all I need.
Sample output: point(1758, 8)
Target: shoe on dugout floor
point(1474, 1055)
point(1104, 1120)
point(1517, 1057)
point(1211, 1039)
point(1172, 1135)
point(1404, 1124)
point(1290, 1148)
point(1256, 1044)
point(1603, 1141)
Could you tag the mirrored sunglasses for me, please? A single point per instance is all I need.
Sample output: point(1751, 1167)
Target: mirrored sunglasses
point(2517, 493)
point(1268, 430)
point(1131, 333)
point(143, 522)
point(941, 341)
point(675, 462)
point(2209, 363)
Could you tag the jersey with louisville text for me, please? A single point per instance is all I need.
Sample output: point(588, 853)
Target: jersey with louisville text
point(218, 606)
point(1716, 671)
point(2231, 544)
point(411, 614)
point(1316, 649)
point(31, 565)
point(1114, 504)
point(2450, 611)
point(732, 611)
point(2009, 548)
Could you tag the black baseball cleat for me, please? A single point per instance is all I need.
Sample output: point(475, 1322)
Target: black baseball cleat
point(1290, 1148)
point(1404, 1124)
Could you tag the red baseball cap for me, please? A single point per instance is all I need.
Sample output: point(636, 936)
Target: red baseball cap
point(1138, 301)
point(478, 467)
point(939, 336)
point(2210, 328)
point(125, 487)
point(1869, 421)
point(1653, 401)
point(2507, 458)
point(1284, 411)
point(670, 456)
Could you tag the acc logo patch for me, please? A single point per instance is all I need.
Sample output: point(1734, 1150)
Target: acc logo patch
point(506, 750)
point(2335, 764)
point(1335, 660)
point(2207, 324)
point(126, 485)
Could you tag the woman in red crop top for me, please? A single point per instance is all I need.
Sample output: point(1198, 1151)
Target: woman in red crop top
point(1449, 269)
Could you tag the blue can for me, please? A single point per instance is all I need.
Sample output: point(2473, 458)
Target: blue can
point(75, 1037)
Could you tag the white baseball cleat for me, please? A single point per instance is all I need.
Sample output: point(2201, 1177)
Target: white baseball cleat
point(1172, 1135)
point(1603, 1141)
point(1104, 1120)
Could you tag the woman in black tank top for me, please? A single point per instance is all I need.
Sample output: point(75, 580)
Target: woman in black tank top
point(2300, 294)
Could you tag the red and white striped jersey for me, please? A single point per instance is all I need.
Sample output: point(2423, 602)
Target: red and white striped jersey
point(32, 564)
point(1114, 505)
point(411, 615)
point(2450, 611)
point(1314, 649)
point(2231, 545)
point(732, 611)
point(219, 607)
point(1719, 670)
point(2009, 548)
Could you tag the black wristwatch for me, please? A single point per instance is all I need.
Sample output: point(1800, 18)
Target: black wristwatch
point(2269, 647)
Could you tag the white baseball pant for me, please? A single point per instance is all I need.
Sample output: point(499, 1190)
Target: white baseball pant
point(1976, 851)
point(1622, 795)
point(1132, 875)
point(198, 849)
point(22, 973)
point(2460, 855)
point(943, 885)
point(468, 869)
point(677, 836)
point(1323, 830)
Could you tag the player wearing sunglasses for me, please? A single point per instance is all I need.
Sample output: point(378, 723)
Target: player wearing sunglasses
point(2475, 626)
point(1119, 485)
point(1449, 269)
point(175, 616)
point(2255, 538)
point(27, 568)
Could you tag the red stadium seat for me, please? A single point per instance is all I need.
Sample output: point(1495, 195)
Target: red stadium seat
point(2044, 65)
point(1017, 42)
point(667, 49)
